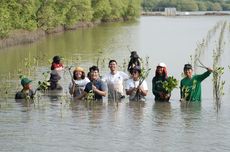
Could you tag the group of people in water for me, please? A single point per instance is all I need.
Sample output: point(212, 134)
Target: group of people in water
point(117, 84)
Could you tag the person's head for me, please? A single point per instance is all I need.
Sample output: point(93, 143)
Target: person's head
point(78, 73)
point(188, 70)
point(136, 71)
point(26, 83)
point(56, 59)
point(134, 55)
point(113, 65)
point(161, 70)
point(94, 73)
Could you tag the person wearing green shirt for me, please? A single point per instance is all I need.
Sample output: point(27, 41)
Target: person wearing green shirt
point(190, 86)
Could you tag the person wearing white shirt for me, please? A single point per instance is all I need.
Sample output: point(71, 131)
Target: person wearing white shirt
point(136, 88)
point(115, 81)
point(78, 83)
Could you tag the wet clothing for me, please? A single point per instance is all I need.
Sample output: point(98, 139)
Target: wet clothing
point(54, 78)
point(157, 88)
point(115, 83)
point(132, 63)
point(28, 94)
point(79, 86)
point(190, 89)
point(99, 85)
point(134, 84)
point(56, 66)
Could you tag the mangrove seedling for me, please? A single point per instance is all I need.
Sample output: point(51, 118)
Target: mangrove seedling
point(170, 84)
point(45, 84)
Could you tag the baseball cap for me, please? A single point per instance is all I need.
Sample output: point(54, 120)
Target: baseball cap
point(162, 64)
point(25, 81)
point(187, 66)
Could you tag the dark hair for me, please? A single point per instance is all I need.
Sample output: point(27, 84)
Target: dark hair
point(93, 68)
point(82, 76)
point(164, 75)
point(56, 59)
point(134, 54)
point(187, 66)
point(112, 61)
point(136, 68)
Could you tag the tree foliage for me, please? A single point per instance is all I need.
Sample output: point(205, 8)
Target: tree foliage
point(49, 14)
point(186, 5)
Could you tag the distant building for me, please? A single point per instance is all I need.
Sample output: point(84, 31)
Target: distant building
point(170, 11)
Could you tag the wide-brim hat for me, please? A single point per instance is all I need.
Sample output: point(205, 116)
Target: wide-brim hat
point(80, 69)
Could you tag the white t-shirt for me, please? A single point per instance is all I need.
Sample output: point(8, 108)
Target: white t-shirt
point(134, 84)
point(80, 85)
point(115, 81)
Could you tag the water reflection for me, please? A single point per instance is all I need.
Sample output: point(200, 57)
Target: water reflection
point(190, 113)
point(162, 112)
point(136, 112)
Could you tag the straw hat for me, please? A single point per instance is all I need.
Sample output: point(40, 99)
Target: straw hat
point(80, 69)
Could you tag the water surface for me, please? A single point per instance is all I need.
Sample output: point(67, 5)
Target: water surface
point(57, 124)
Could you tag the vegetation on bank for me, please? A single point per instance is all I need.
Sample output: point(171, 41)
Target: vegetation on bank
point(187, 5)
point(50, 14)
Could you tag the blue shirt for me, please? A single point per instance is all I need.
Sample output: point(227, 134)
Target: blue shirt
point(100, 85)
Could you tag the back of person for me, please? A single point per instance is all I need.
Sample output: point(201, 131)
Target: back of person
point(134, 61)
point(55, 76)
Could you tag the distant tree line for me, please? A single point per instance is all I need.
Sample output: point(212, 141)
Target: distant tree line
point(186, 5)
point(49, 14)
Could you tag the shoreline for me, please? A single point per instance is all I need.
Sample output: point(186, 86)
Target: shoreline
point(20, 37)
point(206, 13)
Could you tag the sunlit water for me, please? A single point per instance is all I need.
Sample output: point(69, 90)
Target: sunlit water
point(57, 124)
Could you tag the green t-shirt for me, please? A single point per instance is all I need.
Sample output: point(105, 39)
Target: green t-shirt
point(190, 88)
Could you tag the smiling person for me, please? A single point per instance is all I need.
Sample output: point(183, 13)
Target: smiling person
point(136, 89)
point(79, 81)
point(115, 80)
point(95, 86)
point(190, 86)
point(157, 83)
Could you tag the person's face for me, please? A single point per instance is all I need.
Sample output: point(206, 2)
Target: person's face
point(135, 74)
point(160, 70)
point(78, 74)
point(94, 75)
point(188, 73)
point(28, 86)
point(113, 66)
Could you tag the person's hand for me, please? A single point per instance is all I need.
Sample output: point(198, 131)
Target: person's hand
point(73, 81)
point(209, 69)
point(164, 95)
point(94, 87)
